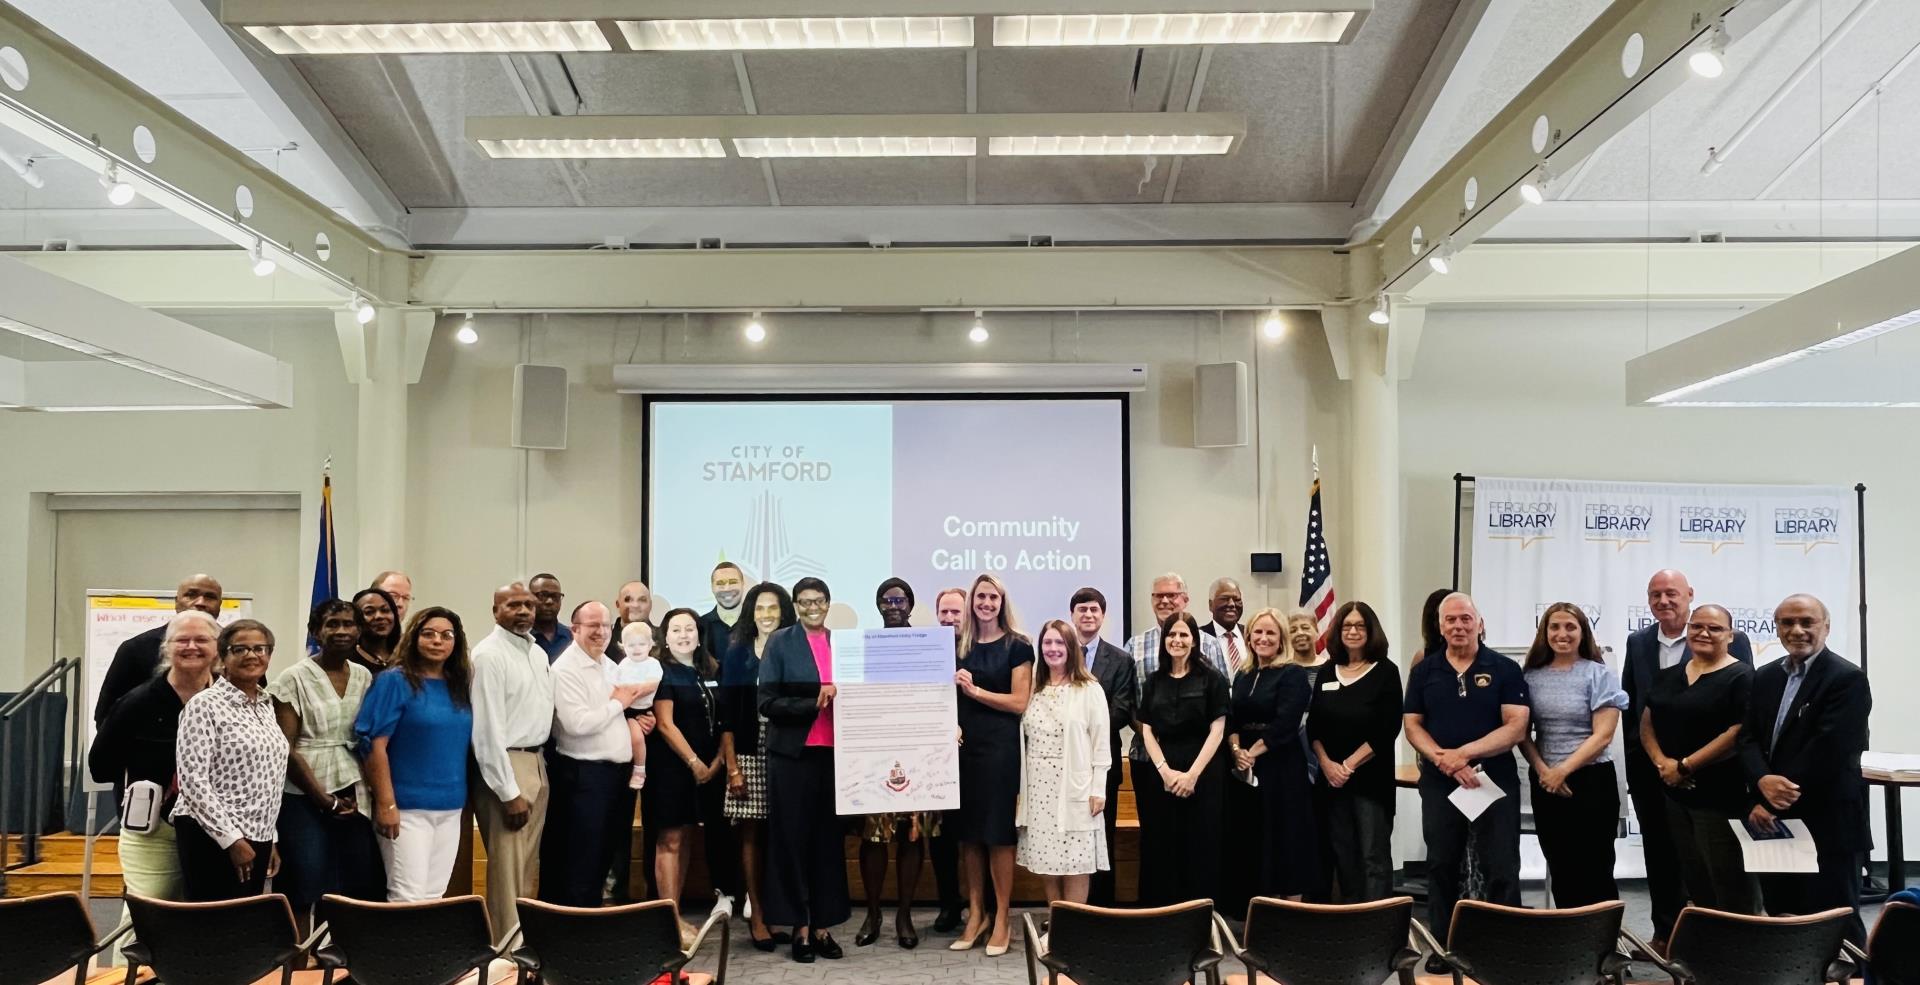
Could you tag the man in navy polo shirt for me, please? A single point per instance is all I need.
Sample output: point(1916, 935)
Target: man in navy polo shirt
point(1464, 714)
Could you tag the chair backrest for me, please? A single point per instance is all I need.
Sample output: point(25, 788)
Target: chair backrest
point(1508, 945)
point(615, 945)
point(1095, 945)
point(42, 936)
point(231, 942)
point(433, 942)
point(1893, 949)
point(1317, 944)
point(1715, 948)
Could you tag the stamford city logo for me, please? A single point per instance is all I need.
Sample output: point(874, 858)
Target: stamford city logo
point(1619, 524)
point(1521, 521)
point(1806, 527)
point(1713, 527)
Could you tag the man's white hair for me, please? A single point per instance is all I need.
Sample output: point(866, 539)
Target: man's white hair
point(1172, 576)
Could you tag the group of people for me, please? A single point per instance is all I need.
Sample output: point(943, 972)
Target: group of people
point(1262, 754)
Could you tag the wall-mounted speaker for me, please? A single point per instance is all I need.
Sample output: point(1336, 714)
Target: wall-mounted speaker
point(1220, 405)
point(539, 407)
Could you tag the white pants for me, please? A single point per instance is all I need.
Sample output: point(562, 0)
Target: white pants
point(420, 860)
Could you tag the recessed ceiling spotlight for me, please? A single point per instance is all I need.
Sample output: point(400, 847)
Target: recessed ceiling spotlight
point(1533, 188)
point(119, 192)
point(1709, 62)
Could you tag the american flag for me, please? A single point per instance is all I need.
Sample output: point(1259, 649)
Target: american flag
point(1316, 574)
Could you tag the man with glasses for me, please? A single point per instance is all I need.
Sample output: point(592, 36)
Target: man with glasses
point(1464, 714)
point(137, 659)
point(548, 631)
point(1169, 600)
point(398, 587)
point(588, 763)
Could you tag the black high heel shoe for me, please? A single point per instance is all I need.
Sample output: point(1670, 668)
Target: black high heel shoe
point(908, 940)
point(767, 943)
point(869, 930)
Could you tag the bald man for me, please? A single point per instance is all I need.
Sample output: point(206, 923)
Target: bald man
point(512, 719)
point(1650, 650)
point(135, 662)
point(400, 588)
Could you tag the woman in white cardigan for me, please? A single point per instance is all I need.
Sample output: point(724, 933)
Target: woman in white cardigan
point(1064, 759)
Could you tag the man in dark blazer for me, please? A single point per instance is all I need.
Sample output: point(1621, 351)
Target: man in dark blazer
point(1226, 603)
point(1806, 728)
point(1649, 651)
point(1114, 669)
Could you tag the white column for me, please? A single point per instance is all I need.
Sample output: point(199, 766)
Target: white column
point(392, 348)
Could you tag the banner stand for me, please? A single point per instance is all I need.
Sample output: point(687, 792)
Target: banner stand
point(1460, 481)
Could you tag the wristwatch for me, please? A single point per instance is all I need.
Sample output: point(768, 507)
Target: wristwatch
point(1685, 770)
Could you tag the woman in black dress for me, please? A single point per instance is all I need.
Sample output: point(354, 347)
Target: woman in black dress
point(1270, 698)
point(1352, 727)
point(1183, 719)
point(684, 778)
point(996, 680)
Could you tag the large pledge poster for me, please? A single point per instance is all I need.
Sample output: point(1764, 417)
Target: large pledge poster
point(1540, 541)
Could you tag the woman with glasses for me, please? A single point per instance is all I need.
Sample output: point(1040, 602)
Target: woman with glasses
point(378, 617)
point(764, 610)
point(1689, 730)
point(1352, 725)
point(232, 759)
point(1576, 703)
point(326, 839)
point(806, 868)
point(996, 682)
point(414, 728)
point(1269, 796)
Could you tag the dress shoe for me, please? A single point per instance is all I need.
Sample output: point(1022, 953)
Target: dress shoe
point(1435, 966)
point(803, 949)
point(828, 947)
point(869, 931)
point(948, 920)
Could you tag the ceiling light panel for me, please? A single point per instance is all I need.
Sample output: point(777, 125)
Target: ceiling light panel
point(664, 148)
point(432, 38)
point(1106, 146)
point(855, 146)
point(1081, 30)
point(798, 33)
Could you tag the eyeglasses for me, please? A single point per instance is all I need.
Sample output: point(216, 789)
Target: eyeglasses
point(894, 600)
point(1168, 596)
point(193, 640)
point(810, 603)
point(254, 649)
point(437, 634)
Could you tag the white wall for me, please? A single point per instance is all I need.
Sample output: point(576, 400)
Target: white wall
point(1541, 393)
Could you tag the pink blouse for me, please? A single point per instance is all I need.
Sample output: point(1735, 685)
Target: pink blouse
point(822, 646)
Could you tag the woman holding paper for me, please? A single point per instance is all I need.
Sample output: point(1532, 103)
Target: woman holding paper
point(1691, 724)
point(1269, 762)
point(995, 680)
point(1063, 782)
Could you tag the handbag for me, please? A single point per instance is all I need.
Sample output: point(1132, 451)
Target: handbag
point(140, 808)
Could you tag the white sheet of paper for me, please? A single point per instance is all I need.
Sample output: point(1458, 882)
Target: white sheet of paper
point(1890, 762)
point(895, 720)
point(1474, 801)
point(1796, 853)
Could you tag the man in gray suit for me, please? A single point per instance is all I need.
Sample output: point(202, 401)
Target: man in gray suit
point(1114, 669)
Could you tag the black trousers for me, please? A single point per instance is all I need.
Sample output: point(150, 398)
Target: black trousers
point(584, 804)
point(206, 870)
point(804, 874)
point(1836, 884)
point(1180, 840)
point(945, 852)
point(1664, 883)
point(1357, 831)
point(1576, 835)
point(1244, 845)
point(1496, 839)
point(718, 844)
point(1100, 889)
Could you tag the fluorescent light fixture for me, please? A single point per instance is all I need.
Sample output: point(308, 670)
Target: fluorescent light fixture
point(263, 265)
point(755, 332)
point(1134, 29)
point(797, 33)
point(100, 408)
point(858, 135)
point(1728, 377)
point(119, 191)
point(52, 338)
point(1838, 342)
point(1710, 61)
point(978, 334)
point(452, 37)
point(855, 146)
point(1379, 315)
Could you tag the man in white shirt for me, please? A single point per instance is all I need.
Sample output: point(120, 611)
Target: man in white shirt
point(588, 765)
point(512, 718)
point(1226, 603)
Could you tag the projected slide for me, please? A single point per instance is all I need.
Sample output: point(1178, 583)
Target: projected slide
point(856, 491)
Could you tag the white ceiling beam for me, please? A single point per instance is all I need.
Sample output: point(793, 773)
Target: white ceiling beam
point(13, 382)
point(278, 90)
point(87, 384)
point(1555, 275)
point(1831, 219)
point(1584, 96)
point(77, 107)
point(180, 279)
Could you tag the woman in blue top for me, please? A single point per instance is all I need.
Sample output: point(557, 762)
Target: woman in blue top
point(416, 723)
point(1576, 703)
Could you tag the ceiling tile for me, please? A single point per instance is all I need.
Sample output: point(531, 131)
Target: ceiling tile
point(790, 83)
point(903, 181)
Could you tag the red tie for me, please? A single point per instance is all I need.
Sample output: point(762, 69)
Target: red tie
point(1233, 653)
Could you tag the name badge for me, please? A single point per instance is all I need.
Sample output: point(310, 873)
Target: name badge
point(1330, 686)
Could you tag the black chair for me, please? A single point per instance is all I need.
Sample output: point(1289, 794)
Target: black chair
point(1893, 946)
point(616, 945)
point(1316, 944)
point(433, 942)
point(231, 942)
point(1510, 945)
point(1710, 947)
point(43, 936)
point(1094, 945)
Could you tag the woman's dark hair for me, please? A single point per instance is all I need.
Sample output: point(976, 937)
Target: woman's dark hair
point(807, 584)
point(1430, 638)
point(322, 610)
point(458, 668)
point(239, 626)
point(1540, 654)
point(1194, 659)
point(1375, 649)
point(899, 583)
point(745, 630)
point(703, 662)
point(392, 642)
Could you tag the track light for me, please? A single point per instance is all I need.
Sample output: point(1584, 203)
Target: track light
point(263, 265)
point(755, 332)
point(119, 192)
point(23, 168)
point(1379, 314)
point(362, 311)
point(1709, 62)
point(1273, 327)
point(1441, 260)
point(1533, 188)
point(978, 335)
point(466, 335)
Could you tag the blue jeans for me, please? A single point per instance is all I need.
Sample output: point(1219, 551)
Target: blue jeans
point(322, 853)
